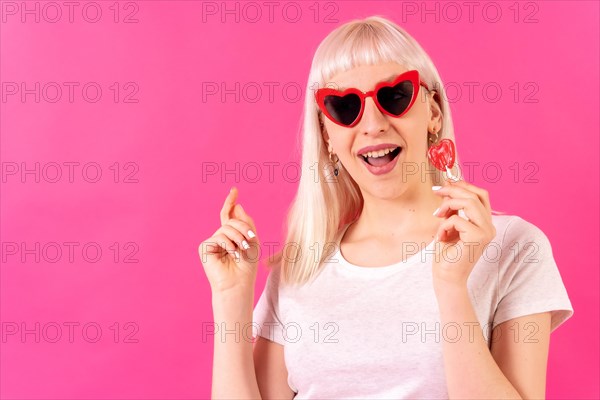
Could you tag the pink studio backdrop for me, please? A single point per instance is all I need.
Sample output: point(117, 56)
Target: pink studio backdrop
point(118, 149)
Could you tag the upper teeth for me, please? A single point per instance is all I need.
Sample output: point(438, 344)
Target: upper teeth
point(379, 153)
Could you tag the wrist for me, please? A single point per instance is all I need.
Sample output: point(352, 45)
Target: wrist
point(233, 299)
point(237, 291)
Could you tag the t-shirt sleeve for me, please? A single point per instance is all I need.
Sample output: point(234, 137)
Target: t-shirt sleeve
point(530, 281)
point(265, 318)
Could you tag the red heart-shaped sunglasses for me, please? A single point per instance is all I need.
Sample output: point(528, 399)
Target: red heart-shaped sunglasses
point(394, 98)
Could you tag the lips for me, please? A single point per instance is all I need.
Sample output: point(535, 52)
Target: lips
point(384, 165)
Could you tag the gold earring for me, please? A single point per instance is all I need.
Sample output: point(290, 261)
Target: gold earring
point(337, 159)
point(434, 140)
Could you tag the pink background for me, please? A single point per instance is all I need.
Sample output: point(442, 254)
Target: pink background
point(166, 207)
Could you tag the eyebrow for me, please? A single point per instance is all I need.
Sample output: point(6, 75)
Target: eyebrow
point(388, 79)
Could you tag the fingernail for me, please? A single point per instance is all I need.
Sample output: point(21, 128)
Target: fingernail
point(436, 211)
point(436, 187)
point(237, 255)
point(251, 234)
point(245, 245)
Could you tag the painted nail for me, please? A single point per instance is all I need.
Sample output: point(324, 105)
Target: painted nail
point(436, 211)
point(251, 234)
point(237, 255)
point(436, 187)
point(245, 245)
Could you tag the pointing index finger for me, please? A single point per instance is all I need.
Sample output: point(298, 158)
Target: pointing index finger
point(228, 205)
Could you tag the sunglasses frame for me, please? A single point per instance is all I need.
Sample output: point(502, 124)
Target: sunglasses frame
point(412, 76)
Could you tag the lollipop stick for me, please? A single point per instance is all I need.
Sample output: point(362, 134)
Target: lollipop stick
point(451, 176)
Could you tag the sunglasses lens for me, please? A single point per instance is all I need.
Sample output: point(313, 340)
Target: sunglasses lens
point(395, 99)
point(343, 109)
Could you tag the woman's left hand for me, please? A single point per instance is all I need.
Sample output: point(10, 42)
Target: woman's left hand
point(461, 241)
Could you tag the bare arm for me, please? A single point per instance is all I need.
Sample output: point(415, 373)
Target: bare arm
point(231, 273)
point(233, 367)
point(520, 346)
point(511, 370)
point(239, 368)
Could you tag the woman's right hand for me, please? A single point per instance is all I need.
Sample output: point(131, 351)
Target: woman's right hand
point(224, 269)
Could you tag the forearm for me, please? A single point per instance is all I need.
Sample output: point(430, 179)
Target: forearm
point(471, 371)
point(234, 376)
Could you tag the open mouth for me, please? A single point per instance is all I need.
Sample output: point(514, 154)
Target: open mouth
point(379, 161)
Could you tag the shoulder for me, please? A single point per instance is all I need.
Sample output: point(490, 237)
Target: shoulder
point(277, 280)
point(519, 242)
point(511, 228)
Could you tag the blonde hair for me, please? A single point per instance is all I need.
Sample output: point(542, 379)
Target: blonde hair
point(322, 207)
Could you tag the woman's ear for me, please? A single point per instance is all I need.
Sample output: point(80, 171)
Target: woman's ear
point(436, 115)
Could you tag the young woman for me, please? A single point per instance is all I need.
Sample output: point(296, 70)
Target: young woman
point(395, 281)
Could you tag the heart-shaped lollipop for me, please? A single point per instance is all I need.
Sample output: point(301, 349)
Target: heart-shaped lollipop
point(442, 154)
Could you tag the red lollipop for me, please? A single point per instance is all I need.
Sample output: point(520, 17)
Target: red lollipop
point(442, 155)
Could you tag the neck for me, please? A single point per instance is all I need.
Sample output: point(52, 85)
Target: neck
point(410, 211)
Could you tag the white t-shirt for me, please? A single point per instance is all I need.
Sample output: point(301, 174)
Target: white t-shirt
point(375, 332)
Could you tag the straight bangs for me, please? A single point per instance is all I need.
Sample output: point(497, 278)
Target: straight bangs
point(363, 45)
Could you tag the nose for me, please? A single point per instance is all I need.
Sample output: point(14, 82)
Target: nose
point(373, 121)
